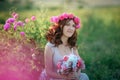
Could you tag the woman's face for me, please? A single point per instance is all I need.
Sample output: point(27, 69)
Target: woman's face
point(69, 29)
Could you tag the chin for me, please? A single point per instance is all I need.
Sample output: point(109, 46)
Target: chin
point(69, 36)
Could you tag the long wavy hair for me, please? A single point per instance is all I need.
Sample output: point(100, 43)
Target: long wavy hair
point(55, 33)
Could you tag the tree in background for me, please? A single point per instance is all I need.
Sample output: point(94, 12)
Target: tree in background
point(19, 4)
point(73, 4)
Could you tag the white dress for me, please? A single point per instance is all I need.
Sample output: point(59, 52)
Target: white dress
point(56, 58)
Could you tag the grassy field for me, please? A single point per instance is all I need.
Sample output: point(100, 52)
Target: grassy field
point(98, 38)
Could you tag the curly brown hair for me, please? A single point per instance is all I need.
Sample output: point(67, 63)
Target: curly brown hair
point(55, 33)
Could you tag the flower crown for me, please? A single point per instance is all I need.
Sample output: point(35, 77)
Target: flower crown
point(56, 19)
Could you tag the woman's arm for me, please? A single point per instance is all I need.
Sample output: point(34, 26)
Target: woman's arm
point(76, 53)
point(75, 50)
point(49, 63)
point(76, 74)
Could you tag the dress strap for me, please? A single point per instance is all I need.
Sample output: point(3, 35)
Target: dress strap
point(72, 51)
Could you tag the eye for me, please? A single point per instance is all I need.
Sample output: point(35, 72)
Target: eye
point(74, 25)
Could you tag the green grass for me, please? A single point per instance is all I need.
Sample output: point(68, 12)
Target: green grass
point(99, 44)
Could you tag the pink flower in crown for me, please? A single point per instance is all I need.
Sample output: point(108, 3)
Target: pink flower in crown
point(78, 26)
point(70, 15)
point(65, 15)
point(76, 20)
point(54, 19)
point(61, 17)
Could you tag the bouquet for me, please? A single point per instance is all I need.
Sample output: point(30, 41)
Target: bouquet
point(70, 63)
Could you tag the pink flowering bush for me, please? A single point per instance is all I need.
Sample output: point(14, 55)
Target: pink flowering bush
point(29, 27)
point(16, 62)
point(13, 25)
point(13, 22)
point(20, 56)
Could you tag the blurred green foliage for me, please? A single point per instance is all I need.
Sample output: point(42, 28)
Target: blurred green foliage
point(17, 4)
point(98, 38)
point(100, 43)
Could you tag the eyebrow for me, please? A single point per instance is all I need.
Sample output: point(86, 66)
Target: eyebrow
point(72, 24)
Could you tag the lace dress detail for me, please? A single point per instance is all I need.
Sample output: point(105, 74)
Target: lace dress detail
point(56, 57)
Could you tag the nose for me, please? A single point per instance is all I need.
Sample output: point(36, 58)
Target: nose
point(71, 28)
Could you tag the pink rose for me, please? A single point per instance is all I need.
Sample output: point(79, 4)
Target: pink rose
point(78, 26)
point(65, 58)
point(80, 64)
point(22, 33)
point(6, 26)
point(76, 20)
point(61, 17)
point(33, 18)
point(65, 15)
point(70, 15)
point(27, 20)
point(10, 20)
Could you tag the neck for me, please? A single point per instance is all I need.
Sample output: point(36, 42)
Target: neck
point(64, 40)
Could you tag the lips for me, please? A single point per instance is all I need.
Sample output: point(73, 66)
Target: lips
point(70, 31)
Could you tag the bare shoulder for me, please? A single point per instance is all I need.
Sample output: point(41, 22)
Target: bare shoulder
point(50, 44)
point(49, 48)
point(75, 49)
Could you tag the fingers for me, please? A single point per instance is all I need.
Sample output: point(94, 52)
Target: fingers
point(69, 69)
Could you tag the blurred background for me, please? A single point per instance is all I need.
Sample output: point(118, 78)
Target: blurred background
point(98, 38)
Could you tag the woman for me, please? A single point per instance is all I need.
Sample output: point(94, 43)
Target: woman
point(61, 38)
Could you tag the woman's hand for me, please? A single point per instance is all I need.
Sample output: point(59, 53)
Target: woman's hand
point(72, 76)
point(67, 74)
